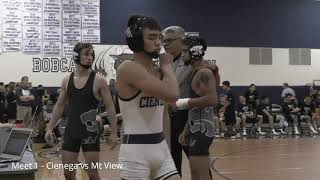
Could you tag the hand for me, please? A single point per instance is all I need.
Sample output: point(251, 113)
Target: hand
point(184, 138)
point(100, 125)
point(165, 60)
point(215, 70)
point(114, 140)
point(49, 137)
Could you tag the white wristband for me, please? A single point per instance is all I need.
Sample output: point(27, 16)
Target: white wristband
point(182, 103)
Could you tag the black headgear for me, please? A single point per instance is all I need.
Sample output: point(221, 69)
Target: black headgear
point(76, 53)
point(134, 33)
point(196, 45)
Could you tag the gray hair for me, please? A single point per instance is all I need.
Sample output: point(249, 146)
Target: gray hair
point(175, 29)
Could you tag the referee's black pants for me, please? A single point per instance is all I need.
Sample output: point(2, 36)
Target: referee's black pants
point(178, 120)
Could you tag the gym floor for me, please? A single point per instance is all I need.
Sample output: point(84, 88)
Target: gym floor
point(241, 159)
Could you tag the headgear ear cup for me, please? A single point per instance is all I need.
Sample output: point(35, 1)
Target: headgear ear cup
point(76, 52)
point(75, 56)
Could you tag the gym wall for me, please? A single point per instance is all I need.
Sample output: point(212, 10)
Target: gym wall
point(233, 62)
point(245, 23)
point(235, 67)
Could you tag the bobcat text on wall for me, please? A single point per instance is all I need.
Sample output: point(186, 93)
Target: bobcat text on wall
point(52, 65)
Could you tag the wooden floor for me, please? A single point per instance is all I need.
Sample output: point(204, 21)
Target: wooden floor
point(250, 159)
